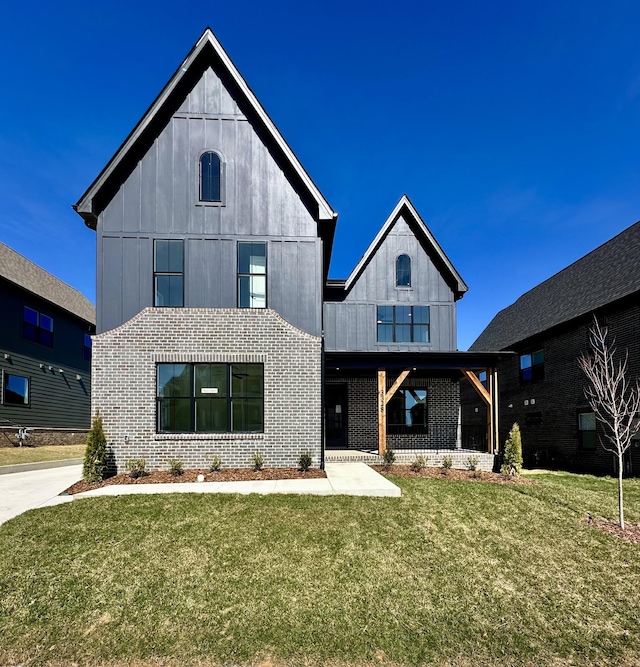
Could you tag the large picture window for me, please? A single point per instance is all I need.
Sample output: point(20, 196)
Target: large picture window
point(586, 430)
point(168, 273)
point(15, 390)
point(37, 327)
point(252, 275)
point(210, 398)
point(532, 366)
point(407, 412)
point(403, 324)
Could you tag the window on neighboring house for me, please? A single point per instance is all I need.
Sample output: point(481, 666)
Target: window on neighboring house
point(403, 324)
point(252, 274)
point(403, 271)
point(37, 327)
point(407, 412)
point(210, 177)
point(168, 273)
point(586, 430)
point(532, 366)
point(15, 390)
point(86, 348)
point(210, 398)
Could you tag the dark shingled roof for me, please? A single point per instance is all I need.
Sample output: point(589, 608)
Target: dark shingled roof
point(608, 273)
point(19, 270)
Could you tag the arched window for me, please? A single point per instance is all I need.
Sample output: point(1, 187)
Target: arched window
point(403, 271)
point(210, 168)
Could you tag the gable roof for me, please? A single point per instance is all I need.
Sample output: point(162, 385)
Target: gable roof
point(22, 272)
point(424, 235)
point(606, 274)
point(206, 52)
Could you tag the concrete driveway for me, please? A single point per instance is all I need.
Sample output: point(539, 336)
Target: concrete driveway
point(24, 491)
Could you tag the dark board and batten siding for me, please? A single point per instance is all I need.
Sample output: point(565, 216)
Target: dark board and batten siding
point(350, 325)
point(160, 199)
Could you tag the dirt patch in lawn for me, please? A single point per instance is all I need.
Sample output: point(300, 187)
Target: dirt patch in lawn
point(224, 475)
point(631, 533)
point(453, 474)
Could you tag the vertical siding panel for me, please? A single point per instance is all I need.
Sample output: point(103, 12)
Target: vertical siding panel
point(244, 195)
point(148, 167)
point(130, 274)
point(112, 216)
point(228, 106)
point(145, 276)
point(131, 201)
point(228, 274)
point(197, 146)
point(307, 288)
point(289, 276)
point(182, 186)
point(275, 276)
point(227, 144)
point(164, 181)
point(212, 140)
point(212, 92)
point(196, 97)
point(112, 283)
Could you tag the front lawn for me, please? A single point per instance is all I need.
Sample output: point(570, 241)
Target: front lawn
point(13, 455)
point(451, 573)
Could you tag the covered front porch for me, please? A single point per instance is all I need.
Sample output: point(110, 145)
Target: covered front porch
point(409, 402)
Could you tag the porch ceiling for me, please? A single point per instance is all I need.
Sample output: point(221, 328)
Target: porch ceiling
point(431, 361)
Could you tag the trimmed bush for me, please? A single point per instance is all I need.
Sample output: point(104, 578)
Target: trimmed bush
point(95, 456)
point(257, 460)
point(472, 463)
point(512, 459)
point(447, 463)
point(305, 461)
point(137, 468)
point(176, 467)
point(419, 463)
point(389, 457)
point(215, 463)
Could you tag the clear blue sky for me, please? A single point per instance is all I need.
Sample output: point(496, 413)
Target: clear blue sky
point(513, 126)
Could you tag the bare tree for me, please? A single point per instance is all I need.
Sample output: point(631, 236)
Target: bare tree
point(614, 399)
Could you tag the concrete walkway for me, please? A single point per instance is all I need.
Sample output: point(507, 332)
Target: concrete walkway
point(23, 491)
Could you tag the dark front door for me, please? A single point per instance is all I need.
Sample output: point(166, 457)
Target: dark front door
point(335, 398)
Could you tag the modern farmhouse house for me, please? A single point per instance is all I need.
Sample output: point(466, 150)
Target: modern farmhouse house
point(542, 386)
point(218, 329)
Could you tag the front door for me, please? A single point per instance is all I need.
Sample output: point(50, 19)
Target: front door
point(335, 399)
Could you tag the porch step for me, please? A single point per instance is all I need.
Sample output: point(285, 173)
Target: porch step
point(459, 457)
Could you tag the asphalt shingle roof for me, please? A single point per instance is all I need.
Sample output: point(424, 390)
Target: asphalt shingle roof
point(606, 274)
point(21, 271)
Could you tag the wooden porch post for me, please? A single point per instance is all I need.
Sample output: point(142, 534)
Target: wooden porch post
point(495, 394)
point(489, 396)
point(382, 411)
point(490, 428)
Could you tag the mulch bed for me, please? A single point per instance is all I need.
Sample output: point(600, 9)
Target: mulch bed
point(631, 533)
point(224, 475)
point(453, 474)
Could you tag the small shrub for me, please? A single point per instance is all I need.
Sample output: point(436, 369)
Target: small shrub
point(419, 463)
point(215, 463)
point(389, 457)
point(257, 460)
point(447, 463)
point(136, 468)
point(95, 455)
point(305, 461)
point(512, 459)
point(176, 467)
point(472, 463)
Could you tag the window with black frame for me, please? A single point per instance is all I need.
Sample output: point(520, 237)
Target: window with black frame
point(532, 366)
point(587, 438)
point(407, 412)
point(15, 390)
point(403, 324)
point(168, 273)
point(37, 327)
point(252, 274)
point(210, 177)
point(403, 271)
point(210, 398)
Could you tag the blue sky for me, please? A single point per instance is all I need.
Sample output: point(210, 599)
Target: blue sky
point(513, 127)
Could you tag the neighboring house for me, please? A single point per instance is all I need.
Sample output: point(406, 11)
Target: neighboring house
point(213, 246)
point(542, 387)
point(45, 350)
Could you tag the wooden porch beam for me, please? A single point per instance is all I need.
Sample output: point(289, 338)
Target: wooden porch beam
point(477, 385)
point(395, 386)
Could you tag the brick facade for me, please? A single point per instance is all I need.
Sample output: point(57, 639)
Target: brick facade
point(547, 410)
point(443, 400)
point(124, 385)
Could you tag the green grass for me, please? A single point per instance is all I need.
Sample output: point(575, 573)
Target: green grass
point(13, 455)
point(452, 573)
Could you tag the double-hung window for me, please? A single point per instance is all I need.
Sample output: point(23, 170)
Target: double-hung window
point(168, 272)
point(252, 274)
point(37, 327)
point(532, 366)
point(210, 398)
point(15, 390)
point(403, 324)
point(586, 430)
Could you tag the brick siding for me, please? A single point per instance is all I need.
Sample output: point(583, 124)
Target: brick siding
point(124, 385)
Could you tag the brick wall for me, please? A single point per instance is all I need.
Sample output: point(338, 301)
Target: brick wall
point(443, 401)
point(124, 385)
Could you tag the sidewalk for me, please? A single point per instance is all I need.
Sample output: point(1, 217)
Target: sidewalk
point(23, 491)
